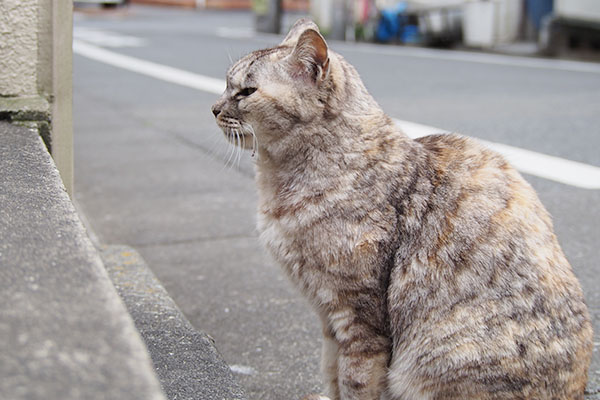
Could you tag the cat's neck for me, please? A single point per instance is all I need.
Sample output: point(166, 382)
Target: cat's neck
point(328, 150)
point(324, 137)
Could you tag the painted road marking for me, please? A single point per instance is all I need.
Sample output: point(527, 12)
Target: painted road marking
point(107, 39)
point(549, 167)
point(242, 369)
point(158, 71)
point(530, 162)
point(235, 33)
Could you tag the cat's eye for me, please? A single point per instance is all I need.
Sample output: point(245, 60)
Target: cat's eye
point(246, 92)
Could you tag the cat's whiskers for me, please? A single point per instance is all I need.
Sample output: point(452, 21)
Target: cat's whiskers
point(236, 146)
point(249, 129)
point(236, 136)
point(231, 150)
point(215, 148)
point(239, 143)
point(243, 147)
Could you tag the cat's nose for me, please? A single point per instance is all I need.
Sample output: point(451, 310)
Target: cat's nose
point(216, 111)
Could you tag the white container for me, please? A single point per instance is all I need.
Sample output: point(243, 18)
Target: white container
point(492, 22)
point(586, 10)
point(508, 18)
point(479, 26)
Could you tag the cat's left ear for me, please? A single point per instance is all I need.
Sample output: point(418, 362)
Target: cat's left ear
point(310, 56)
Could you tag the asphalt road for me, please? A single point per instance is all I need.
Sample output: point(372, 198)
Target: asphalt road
point(150, 169)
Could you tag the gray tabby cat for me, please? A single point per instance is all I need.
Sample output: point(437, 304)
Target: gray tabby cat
point(431, 262)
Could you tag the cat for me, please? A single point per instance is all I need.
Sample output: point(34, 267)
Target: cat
point(431, 262)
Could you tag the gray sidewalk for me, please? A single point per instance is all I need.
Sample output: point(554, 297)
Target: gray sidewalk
point(65, 333)
point(186, 360)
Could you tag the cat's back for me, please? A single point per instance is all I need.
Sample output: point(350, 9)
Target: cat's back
point(476, 187)
point(484, 299)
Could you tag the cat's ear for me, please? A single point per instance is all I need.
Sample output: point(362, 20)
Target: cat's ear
point(297, 29)
point(310, 56)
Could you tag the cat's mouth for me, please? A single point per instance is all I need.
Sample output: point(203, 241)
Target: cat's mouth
point(239, 134)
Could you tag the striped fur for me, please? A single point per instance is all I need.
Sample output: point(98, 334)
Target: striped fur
point(431, 262)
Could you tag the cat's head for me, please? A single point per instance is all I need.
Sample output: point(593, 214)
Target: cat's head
point(270, 91)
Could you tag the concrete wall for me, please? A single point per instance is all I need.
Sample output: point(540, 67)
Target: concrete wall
point(18, 47)
point(35, 73)
point(62, 87)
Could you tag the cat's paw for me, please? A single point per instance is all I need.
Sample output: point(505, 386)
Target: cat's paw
point(315, 397)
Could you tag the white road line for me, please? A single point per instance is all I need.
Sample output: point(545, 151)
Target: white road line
point(242, 369)
point(530, 162)
point(107, 39)
point(235, 33)
point(549, 167)
point(158, 71)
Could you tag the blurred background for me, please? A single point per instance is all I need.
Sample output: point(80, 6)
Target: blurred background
point(548, 27)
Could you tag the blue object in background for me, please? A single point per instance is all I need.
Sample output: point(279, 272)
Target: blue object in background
point(389, 25)
point(537, 10)
point(410, 34)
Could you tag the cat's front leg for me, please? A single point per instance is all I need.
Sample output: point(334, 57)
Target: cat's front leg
point(329, 361)
point(363, 357)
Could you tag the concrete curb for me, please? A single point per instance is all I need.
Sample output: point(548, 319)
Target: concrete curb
point(65, 332)
point(186, 361)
